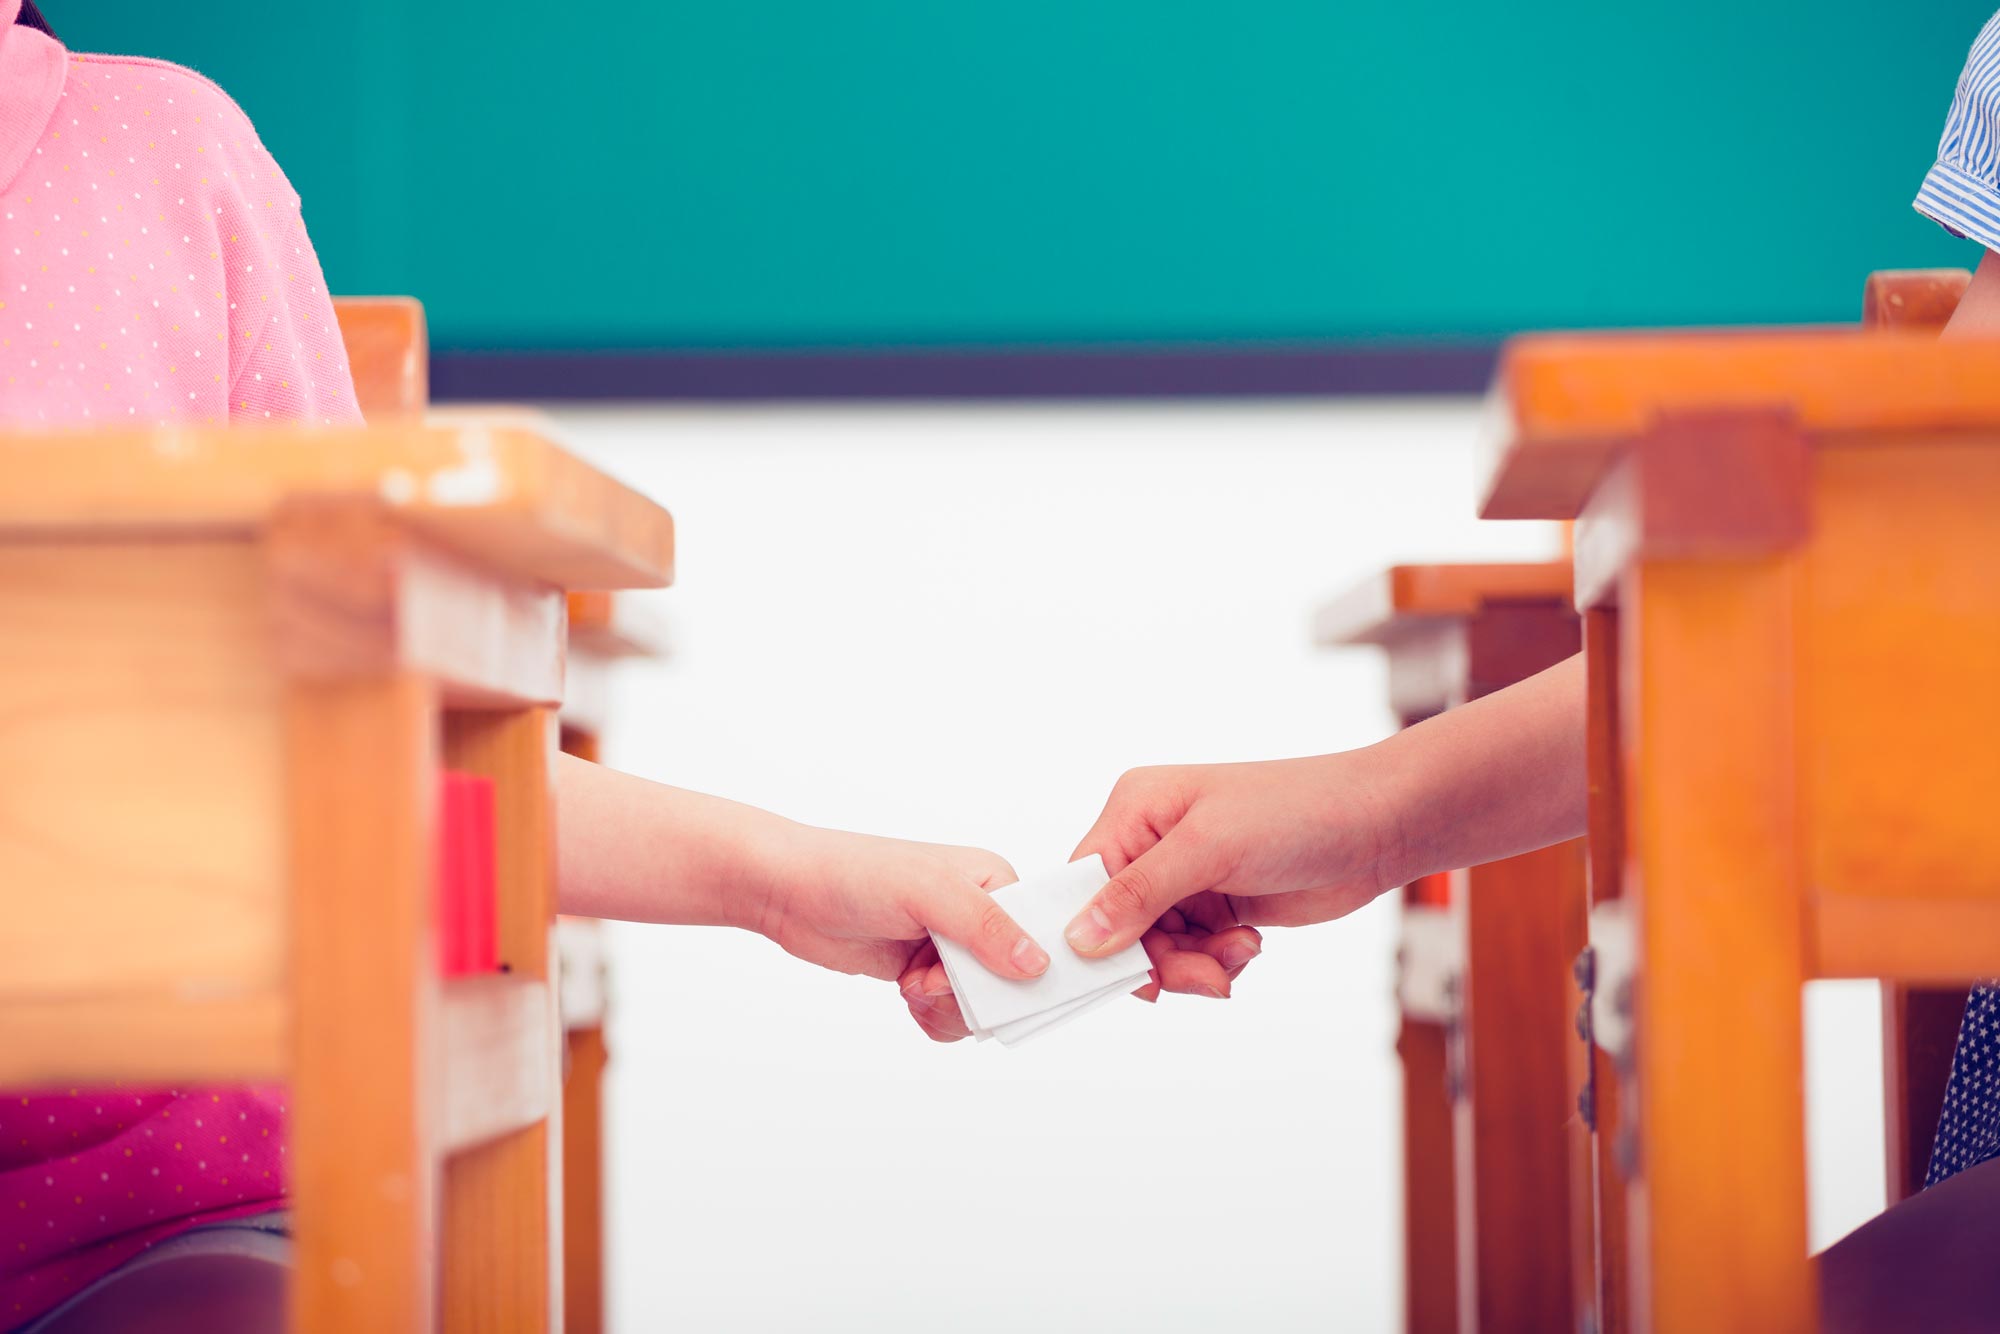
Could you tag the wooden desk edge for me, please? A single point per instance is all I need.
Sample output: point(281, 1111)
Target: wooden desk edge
point(1375, 610)
point(1896, 939)
point(1567, 401)
point(614, 627)
point(505, 495)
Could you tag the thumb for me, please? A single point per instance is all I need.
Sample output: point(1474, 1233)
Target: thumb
point(1137, 896)
point(960, 911)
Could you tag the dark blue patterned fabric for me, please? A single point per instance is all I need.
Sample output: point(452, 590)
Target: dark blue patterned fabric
point(1968, 1130)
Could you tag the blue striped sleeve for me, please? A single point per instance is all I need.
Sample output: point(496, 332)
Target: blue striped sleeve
point(1962, 191)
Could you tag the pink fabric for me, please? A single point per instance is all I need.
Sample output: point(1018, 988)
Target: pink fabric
point(153, 269)
point(153, 263)
point(91, 1177)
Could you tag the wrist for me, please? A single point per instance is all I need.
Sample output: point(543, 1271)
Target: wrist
point(1391, 788)
point(768, 854)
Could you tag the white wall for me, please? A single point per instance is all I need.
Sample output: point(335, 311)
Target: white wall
point(961, 623)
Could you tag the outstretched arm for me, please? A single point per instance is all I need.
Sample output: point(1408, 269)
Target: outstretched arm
point(645, 852)
point(1307, 840)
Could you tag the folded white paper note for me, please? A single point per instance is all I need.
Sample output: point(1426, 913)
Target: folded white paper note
point(1044, 905)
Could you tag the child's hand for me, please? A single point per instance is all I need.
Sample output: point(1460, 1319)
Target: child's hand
point(1290, 842)
point(860, 904)
point(1281, 842)
point(1197, 948)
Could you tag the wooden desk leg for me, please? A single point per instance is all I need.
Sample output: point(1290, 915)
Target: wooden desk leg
point(1580, 1168)
point(364, 1192)
point(1919, 1037)
point(1600, 1214)
point(1524, 924)
point(1718, 1200)
point(503, 1201)
point(1430, 1210)
point(583, 1145)
point(583, 1183)
point(1611, 1195)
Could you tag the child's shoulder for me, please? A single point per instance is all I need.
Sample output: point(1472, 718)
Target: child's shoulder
point(153, 86)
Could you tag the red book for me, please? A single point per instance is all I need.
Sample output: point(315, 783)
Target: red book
point(482, 890)
point(451, 892)
point(467, 940)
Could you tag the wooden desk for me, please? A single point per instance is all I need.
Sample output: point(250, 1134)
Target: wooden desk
point(1919, 1020)
point(388, 354)
point(1785, 553)
point(236, 662)
point(387, 349)
point(1491, 1074)
point(603, 631)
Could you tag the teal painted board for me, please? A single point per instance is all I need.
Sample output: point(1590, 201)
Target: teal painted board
point(792, 173)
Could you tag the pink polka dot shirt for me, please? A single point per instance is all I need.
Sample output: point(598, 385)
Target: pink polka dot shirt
point(89, 1178)
point(154, 268)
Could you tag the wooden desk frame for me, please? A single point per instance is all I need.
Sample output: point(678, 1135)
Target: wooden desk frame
point(248, 653)
point(603, 631)
point(1491, 1087)
point(1812, 510)
point(387, 353)
point(1919, 1021)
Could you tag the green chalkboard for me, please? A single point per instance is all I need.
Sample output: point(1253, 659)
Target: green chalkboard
point(799, 173)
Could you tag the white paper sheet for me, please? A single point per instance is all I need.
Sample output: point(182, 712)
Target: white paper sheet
point(1044, 905)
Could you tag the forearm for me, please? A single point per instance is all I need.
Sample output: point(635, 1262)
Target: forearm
point(1501, 775)
point(641, 851)
point(1978, 313)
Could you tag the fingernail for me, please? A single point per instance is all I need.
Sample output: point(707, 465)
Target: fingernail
point(1204, 989)
point(1089, 932)
point(1237, 953)
point(941, 989)
point(1029, 957)
point(913, 993)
